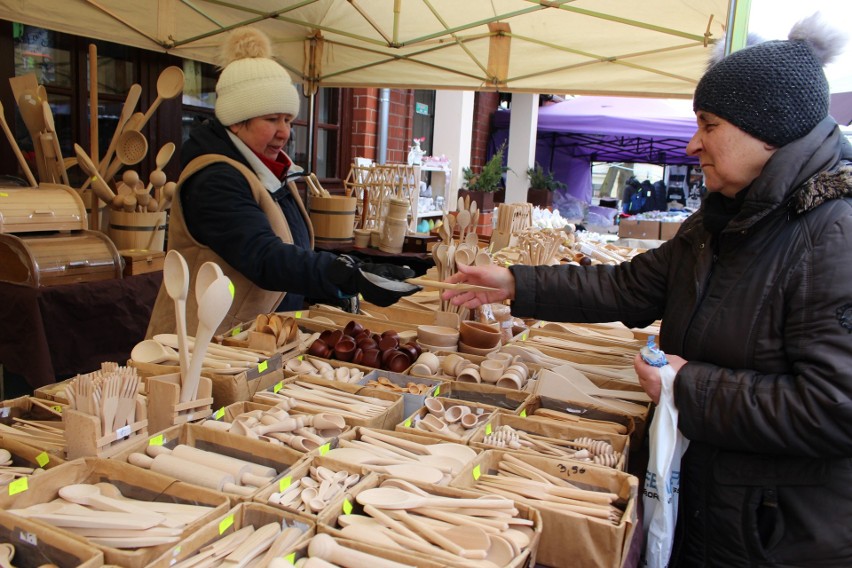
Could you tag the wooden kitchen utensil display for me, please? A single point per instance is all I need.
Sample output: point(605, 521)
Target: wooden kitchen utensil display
point(165, 408)
point(105, 415)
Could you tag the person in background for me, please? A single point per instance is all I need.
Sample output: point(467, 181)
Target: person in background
point(233, 207)
point(756, 306)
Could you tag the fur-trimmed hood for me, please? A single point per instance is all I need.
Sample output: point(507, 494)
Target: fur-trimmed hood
point(835, 183)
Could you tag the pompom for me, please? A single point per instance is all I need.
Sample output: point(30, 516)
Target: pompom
point(243, 43)
point(718, 52)
point(826, 42)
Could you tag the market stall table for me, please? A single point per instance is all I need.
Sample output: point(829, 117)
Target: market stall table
point(50, 333)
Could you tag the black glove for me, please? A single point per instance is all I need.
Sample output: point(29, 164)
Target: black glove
point(371, 280)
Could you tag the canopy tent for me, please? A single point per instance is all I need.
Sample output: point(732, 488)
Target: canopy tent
point(578, 131)
point(648, 48)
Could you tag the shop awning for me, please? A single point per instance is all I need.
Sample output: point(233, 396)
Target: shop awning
point(647, 48)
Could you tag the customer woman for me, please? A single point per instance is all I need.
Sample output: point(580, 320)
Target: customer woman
point(233, 207)
point(755, 296)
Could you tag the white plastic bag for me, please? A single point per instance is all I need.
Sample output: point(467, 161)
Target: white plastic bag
point(662, 480)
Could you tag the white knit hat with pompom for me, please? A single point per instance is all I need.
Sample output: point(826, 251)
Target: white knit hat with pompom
point(251, 84)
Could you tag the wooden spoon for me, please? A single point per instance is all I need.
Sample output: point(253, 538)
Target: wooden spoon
point(7, 553)
point(176, 280)
point(129, 104)
point(56, 150)
point(169, 85)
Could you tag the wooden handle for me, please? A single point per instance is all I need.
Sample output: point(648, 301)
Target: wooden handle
point(253, 545)
point(324, 547)
point(191, 472)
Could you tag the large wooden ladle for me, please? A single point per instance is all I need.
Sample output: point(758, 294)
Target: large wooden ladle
point(214, 301)
point(169, 85)
point(176, 280)
point(126, 110)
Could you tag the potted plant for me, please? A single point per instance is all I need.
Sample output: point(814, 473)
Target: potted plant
point(542, 186)
point(481, 186)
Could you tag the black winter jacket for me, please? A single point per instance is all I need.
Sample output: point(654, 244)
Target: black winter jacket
point(763, 315)
point(221, 213)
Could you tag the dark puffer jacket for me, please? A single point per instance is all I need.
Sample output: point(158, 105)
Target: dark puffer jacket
point(221, 213)
point(763, 315)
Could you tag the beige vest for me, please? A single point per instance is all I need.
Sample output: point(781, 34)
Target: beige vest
point(249, 299)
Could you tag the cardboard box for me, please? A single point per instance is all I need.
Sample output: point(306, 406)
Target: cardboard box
point(588, 542)
point(411, 402)
point(483, 394)
point(668, 230)
point(142, 261)
point(457, 433)
point(303, 469)
point(133, 482)
point(639, 229)
point(228, 389)
point(243, 515)
point(25, 455)
point(549, 429)
point(230, 412)
point(327, 523)
point(386, 420)
point(279, 458)
point(37, 545)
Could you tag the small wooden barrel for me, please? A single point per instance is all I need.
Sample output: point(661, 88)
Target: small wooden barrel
point(134, 230)
point(333, 219)
point(393, 235)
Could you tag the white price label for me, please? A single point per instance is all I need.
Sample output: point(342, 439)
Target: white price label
point(123, 432)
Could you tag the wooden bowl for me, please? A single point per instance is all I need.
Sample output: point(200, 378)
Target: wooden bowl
point(438, 335)
point(436, 348)
point(479, 335)
point(465, 348)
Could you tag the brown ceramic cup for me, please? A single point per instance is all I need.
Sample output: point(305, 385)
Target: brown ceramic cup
point(371, 358)
point(319, 349)
point(345, 349)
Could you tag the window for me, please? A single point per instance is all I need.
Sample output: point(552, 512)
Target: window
point(327, 134)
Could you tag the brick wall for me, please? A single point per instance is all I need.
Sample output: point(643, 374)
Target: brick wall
point(365, 123)
point(484, 105)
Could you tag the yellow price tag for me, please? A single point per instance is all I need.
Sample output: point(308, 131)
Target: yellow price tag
point(57, 408)
point(4, 195)
point(262, 366)
point(347, 507)
point(301, 357)
point(156, 440)
point(291, 558)
point(437, 390)
point(488, 429)
point(219, 413)
point(477, 472)
point(42, 459)
point(231, 289)
point(298, 315)
point(285, 482)
point(407, 423)
point(236, 331)
point(524, 413)
point(278, 386)
point(524, 337)
point(226, 523)
point(18, 486)
point(324, 448)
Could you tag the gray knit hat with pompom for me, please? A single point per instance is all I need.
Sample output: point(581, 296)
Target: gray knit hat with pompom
point(776, 90)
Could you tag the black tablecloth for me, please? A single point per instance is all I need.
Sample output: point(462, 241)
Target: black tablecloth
point(56, 332)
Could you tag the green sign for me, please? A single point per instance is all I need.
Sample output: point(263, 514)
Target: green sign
point(421, 108)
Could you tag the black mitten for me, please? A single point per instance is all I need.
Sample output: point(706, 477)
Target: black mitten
point(354, 278)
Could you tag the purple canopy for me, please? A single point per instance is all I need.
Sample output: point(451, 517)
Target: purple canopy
point(576, 132)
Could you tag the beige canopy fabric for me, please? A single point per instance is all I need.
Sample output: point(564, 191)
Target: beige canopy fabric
point(613, 47)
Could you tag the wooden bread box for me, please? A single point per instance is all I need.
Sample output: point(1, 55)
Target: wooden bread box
point(49, 207)
point(58, 258)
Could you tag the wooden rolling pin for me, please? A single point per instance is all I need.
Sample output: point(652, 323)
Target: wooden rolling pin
point(190, 472)
point(242, 471)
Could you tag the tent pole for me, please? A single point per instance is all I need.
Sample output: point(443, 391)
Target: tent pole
point(384, 110)
point(312, 103)
point(737, 25)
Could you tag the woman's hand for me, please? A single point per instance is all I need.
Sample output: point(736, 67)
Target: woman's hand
point(649, 377)
point(491, 276)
